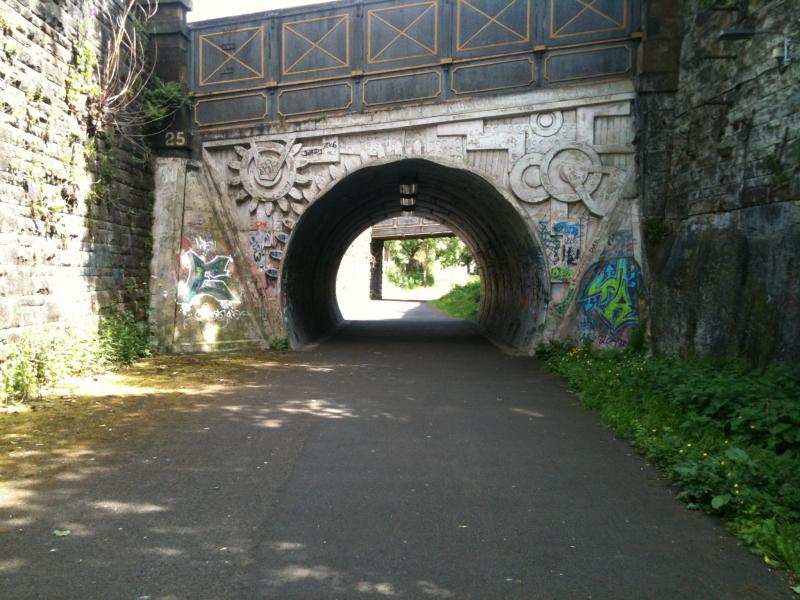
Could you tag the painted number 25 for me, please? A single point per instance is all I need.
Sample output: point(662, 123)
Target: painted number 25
point(175, 138)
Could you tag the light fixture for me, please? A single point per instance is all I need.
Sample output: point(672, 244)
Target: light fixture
point(408, 195)
point(745, 33)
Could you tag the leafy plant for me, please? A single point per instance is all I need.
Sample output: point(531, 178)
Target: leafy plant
point(80, 73)
point(728, 436)
point(279, 343)
point(462, 301)
point(101, 163)
point(122, 339)
point(161, 101)
point(34, 362)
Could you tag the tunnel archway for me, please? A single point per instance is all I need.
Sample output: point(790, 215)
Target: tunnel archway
point(514, 286)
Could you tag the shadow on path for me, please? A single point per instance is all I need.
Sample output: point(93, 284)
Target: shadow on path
point(401, 459)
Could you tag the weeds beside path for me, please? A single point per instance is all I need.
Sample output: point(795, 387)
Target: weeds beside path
point(88, 414)
point(462, 301)
point(727, 436)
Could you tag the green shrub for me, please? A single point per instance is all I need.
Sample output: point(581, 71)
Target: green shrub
point(728, 436)
point(161, 100)
point(462, 301)
point(279, 343)
point(123, 339)
point(35, 362)
point(409, 280)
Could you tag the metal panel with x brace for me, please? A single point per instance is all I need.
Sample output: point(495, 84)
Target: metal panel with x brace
point(570, 18)
point(318, 44)
point(411, 31)
point(234, 56)
point(491, 23)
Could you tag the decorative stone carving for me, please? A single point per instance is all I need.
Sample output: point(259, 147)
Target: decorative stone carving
point(569, 171)
point(526, 180)
point(512, 142)
point(546, 124)
point(573, 172)
point(268, 173)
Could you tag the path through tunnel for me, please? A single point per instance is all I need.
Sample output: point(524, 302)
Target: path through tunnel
point(514, 289)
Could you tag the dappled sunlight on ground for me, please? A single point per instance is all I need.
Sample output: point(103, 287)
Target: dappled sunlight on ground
point(79, 421)
point(60, 459)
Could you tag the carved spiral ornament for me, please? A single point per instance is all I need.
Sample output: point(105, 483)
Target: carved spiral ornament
point(526, 179)
point(572, 172)
point(546, 124)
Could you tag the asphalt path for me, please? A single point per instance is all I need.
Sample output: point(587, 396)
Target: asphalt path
point(400, 459)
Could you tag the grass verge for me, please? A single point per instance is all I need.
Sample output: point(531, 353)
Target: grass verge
point(462, 301)
point(727, 436)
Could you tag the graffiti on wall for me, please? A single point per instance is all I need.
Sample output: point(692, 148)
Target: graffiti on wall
point(609, 301)
point(562, 241)
point(267, 244)
point(261, 242)
point(204, 293)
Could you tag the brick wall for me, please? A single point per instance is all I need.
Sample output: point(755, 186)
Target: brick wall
point(719, 153)
point(75, 204)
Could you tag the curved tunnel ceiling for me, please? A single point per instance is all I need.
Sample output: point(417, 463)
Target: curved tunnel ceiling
point(513, 286)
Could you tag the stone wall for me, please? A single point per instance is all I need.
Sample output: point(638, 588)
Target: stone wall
point(75, 201)
point(719, 154)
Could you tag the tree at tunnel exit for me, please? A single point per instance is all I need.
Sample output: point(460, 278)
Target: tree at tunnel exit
point(413, 259)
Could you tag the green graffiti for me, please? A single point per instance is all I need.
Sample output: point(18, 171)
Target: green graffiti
point(561, 274)
point(613, 294)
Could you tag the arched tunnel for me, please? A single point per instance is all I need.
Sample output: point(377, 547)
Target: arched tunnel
point(514, 289)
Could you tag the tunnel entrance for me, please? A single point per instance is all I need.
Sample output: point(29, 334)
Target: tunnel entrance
point(514, 288)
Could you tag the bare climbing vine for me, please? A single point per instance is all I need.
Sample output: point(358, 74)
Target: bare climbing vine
point(113, 80)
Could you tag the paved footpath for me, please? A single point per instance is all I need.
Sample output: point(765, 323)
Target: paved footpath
point(407, 459)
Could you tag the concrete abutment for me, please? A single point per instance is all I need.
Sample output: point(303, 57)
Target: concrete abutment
point(539, 185)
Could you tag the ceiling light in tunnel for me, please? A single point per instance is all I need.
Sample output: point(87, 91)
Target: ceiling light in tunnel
point(408, 195)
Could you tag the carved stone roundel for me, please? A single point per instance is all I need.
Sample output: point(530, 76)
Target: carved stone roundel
point(526, 181)
point(546, 124)
point(268, 171)
point(570, 172)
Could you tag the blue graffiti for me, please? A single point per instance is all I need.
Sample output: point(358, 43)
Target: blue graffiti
point(567, 229)
point(611, 295)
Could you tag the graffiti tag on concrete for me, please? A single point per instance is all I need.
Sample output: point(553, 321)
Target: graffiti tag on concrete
point(562, 242)
point(610, 301)
point(205, 291)
point(261, 241)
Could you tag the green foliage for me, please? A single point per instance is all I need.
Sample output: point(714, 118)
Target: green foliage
point(728, 436)
point(452, 252)
point(101, 164)
point(279, 343)
point(413, 262)
point(161, 100)
point(409, 280)
point(80, 73)
point(656, 230)
point(462, 301)
point(35, 362)
point(414, 259)
point(122, 339)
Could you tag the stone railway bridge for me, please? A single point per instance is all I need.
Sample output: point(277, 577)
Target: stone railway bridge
point(513, 118)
